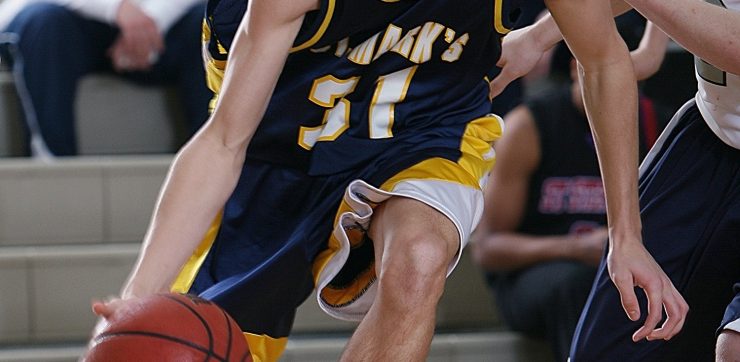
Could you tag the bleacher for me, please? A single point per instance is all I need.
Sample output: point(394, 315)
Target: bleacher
point(70, 230)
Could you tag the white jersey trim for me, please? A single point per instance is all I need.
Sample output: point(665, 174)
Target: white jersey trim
point(660, 142)
point(733, 326)
point(463, 205)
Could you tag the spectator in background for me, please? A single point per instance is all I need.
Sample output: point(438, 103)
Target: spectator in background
point(543, 231)
point(147, 41)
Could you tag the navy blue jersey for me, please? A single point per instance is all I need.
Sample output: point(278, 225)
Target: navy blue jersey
point(388, 94)
point(365, 73)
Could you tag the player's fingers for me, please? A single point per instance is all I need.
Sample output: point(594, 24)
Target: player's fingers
point(676, 309)
point(666, 330)
point(626, 287)
point(101, 309)
point(105, 308)
point(501, 62)
point(654, 291)
point(499, 83)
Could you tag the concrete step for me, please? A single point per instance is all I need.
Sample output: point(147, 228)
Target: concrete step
point(70, 231)
point(53, 286)
point(78, 200)
point(500, 346)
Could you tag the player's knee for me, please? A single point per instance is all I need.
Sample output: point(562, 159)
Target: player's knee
point(417, 274)
point(728, 346)
point(42, 17)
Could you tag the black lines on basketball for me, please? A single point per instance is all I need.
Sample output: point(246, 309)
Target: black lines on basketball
point(209, 353)
point(202, 320)
point(228, 327)
point(168, 327)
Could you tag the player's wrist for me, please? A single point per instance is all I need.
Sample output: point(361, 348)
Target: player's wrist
point(545, 33)
point(136, 289)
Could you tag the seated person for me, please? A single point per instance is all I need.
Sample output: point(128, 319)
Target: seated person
point(60, 41)
point(543, 231)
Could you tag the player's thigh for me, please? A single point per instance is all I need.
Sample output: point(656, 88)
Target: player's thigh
point(408, 233)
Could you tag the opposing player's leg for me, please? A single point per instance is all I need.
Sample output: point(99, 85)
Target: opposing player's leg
point(414, 244)
point(691, 232)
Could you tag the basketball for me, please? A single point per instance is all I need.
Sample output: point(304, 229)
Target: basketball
point(169, 327)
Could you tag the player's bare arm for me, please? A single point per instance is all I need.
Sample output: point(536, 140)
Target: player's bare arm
point(650, 54)
point(206, 170)
point(524, 47)
point(610, 96)
point(706, 30)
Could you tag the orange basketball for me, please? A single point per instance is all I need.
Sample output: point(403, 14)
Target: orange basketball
point(169, 327)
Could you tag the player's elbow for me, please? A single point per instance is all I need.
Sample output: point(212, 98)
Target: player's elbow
point(225, 139)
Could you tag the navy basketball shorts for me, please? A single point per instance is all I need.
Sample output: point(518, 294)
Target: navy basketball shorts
point(690, 207)
point(284, 233)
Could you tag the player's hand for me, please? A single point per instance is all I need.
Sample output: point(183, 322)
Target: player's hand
point(105, 309)
point(139, 42)
point(630, 265)
point(519, 54)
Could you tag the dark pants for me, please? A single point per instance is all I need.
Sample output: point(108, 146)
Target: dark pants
point(545, 301)
point(59, 47)
point(690, 209)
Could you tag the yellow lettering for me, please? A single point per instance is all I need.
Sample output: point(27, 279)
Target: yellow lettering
point(455, 50)
point(404, 46)
point(342, 47)
point(449, 35)
point(423, 48)
point(320, 50)
point(392, 37)
point(363, 53)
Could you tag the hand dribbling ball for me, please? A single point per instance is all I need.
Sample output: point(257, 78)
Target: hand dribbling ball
point(169, 327)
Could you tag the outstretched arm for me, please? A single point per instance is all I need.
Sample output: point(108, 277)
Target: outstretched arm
point(650, 54)
point(524, 47)
point(610, 97)
point(206, 170)
point(708, 31)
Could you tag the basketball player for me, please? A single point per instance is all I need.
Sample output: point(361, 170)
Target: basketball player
point(689, 197)
point(333, 113)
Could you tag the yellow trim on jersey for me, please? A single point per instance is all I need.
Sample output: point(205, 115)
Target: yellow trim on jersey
point(214, 79)
point(187, 274)
point(264, 348)
point(215, 69)
point(478, 156)
point(433, 169)
point(339, 297)
point(320, 32)
point(205, 34)
point(476, 161)
point(498, 22)
point(215, 74)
